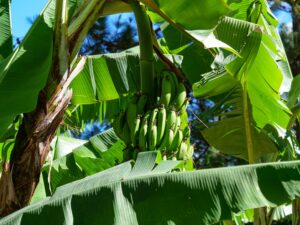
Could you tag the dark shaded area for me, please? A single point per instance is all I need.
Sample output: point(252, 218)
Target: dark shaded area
point(110, 34)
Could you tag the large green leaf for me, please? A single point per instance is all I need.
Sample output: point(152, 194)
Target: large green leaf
point(150, 194)
point(192, 15)
point(235, 133)
point(24, 73)
point(104, 77)
point(109, 76)
point(6, 45)
point(255, 102)
point(79, 116)
point(75, 159)
point(62, 146)
point(243, 9)
point(229, 32)
point(259, 12)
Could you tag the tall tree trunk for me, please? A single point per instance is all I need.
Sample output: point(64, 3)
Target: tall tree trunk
point(22, 172)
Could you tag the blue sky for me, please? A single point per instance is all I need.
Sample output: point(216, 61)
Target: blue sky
point(21, 10)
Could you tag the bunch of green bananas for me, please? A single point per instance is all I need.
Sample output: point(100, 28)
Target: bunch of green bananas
point(160, 126)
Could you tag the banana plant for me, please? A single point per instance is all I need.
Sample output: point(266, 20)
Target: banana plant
point(232, 53)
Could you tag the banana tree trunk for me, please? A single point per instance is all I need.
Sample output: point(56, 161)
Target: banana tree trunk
point(21, 173)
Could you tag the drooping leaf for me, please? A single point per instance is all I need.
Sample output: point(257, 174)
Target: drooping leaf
point(230, 134)
point(99, 153)
point(259, 12)
point(40, 192)
point(64, 145)
point(255, 102)
point(229, 32)
point(107, 77)
point(6, 45)
point(24, 73)
point(119, 196)
point(294, 93)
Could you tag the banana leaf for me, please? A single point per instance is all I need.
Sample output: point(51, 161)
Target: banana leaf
point(246, 108)
point(74, 159)
point(192, 15)
point(6, 45)
point(24, 72)
point(150, 194)
point(230, 134)
point(294, 93)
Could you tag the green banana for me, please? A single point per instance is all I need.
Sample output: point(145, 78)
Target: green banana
point(183, 151)
point(171, 119)
point(131, 114)
point(135, 126)
point(126, 132)
point(170, 138)
point(152, 120)
point(181, 96)
point(184, 106)
point(153, 137)
point(118, 125)
point(190, 152)
point(141, 104)
point(164, 141)
point(174, 83)
point(159, 128)
point(161, 123)
point(186, 133)
point(153, 116)
point(177, 124)
point(166, 91)
point(177, 140)
point(143, 135)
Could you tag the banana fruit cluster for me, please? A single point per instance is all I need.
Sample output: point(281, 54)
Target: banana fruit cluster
point(160, 127)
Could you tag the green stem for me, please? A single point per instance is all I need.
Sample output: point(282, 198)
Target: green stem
point(248, 126)
point(146, 49)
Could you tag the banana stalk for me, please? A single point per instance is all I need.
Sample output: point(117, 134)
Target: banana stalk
point(146, 50)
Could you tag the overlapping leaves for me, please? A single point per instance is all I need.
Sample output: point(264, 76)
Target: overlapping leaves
point(255, 102)
point(126, 195)
point(74, 159)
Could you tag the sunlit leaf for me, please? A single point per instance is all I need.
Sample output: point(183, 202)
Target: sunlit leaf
point(120, 196)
